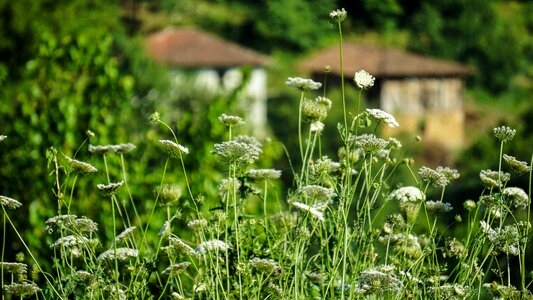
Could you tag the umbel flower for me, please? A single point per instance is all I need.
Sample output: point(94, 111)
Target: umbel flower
point(242, 151)
point(317, 109)
point(80, 166)
point(407, 194)
point(121, 254)
point(383, 116)
point(437, 207)
point(493, 179)
point(14, 267)
point(212, 245)
point(317, 193)
point(265, 265)
point(231, 121)
point(433, 177)
point(2, 137)
point(504, 134)
point(338, 15)
point(110, 188)
point(516, 196)
point(315, 212)
point(517, 166)
point(169, 194)
point(506, 239)
point(177, 268)
point(363, 80)
point(9, 202)
point(264, 174)
point(116, 149)
point(369, 143)
point(303, 84)
point(22, 289)
point(175, 150)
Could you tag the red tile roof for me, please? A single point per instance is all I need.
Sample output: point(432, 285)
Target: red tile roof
point(189, 47)
point(382, 62)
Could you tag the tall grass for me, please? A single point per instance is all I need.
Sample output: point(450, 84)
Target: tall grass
point(347, 229)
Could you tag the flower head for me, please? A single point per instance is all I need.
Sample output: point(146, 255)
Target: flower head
point(9, 202)
point(438, 207)
point(80, 166)
point(264, 174)
point(174, 149)
point(110, 188)
point(231, 121)
point(316, 109)
point(312, 210)
point(22, 289)
point(242, 151)
point(317, 127)
point(14, 267)
point(369, 143)
point(364, 80)
point(493, 179)
point(303, 84)
point(407, 194)
point(116, 149)
point(516, 196)
point(177, 268)
point(169, 194)
point(2, 137)
point(504, 133)
point(338, 15)
point(383, 116)
point(265, 265)
point(433, 177)
point(121, 254)
point(516, 166)
point(212, 245)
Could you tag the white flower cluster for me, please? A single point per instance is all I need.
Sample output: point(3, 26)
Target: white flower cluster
point(506, 239)
point(230, 121)
point(383, 116)
point(303, 84)
point(110, 188)
point(338, 15)
point(264, 174)
point(516, 197)
point(174, 149)
point(363, 80)
point(315, 212)
point(80, 166)
point(493, 179)
point(317, 193)
point(243, 150)
point(407, 194)
point(117, 149)
point(9, 202)
point(212, 245)
point(119, 254)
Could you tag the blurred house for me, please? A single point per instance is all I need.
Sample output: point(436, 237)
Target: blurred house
point(424, 94)
point(216, 65)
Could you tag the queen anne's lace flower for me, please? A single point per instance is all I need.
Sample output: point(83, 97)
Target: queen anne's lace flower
point(9, 202)
point(338, 15)
point(303, 84)
point(118, 253)
point(317, 127)
point(2, 137)
point(363, 80)
point(517, 166)
point(493, 179)
point(174, 149)
point(231, 121)
point(110, 188)
point(408, 194)
point(383, 116)
point(264, 174)
point(80, 166)
point(265, 265)
point(212, 245)
point(433, 177)
point(438, 206)
point(517, 197)
point(504, 133)
point(312, 210)
point(117, 149)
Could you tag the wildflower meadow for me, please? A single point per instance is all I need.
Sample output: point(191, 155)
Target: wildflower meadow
point(349, 226)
